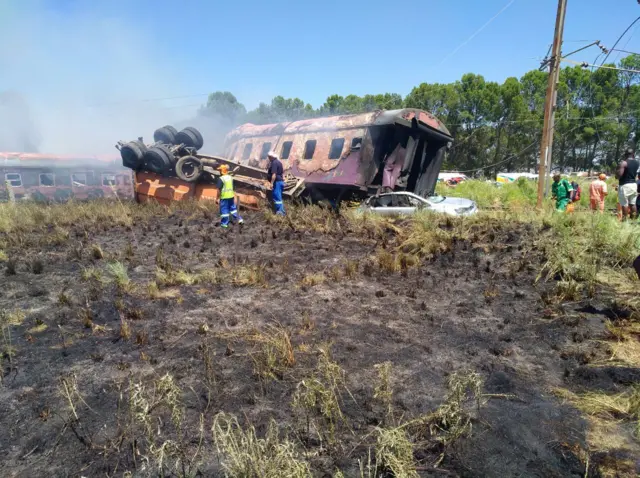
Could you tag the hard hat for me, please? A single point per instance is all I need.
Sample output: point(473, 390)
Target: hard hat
point(272, 154)
point(602, 176)
point(223, 168)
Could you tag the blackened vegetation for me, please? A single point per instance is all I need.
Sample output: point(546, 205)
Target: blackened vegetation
point(357, 348)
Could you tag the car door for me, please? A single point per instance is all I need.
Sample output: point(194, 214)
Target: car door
point(401, 205)
point(382, 204)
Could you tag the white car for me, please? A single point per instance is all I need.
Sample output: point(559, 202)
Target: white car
point(402, 202)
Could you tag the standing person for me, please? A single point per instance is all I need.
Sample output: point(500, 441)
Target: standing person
point(276, 178)
point(561, 191)
point(227, 198)
point(597, 193)
point(638, 198)
point(627, 187)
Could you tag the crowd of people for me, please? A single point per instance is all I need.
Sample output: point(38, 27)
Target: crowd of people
point(565, 193)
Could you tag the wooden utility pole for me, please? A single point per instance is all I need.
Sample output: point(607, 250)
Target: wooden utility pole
point(550, 100)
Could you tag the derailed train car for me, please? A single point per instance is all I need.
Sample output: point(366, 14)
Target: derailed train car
point(337, 157)
point(346, 154)
point(47, 177)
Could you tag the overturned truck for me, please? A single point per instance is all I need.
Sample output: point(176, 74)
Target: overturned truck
point(333, 158)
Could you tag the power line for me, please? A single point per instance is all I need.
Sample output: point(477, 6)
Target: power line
point(99, 105)
point(477, 32)
point(576, 118)
point(625, 51)
point(585, 65)
point(618, 40)
point(513, 156)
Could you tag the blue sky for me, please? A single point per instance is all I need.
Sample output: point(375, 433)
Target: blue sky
point(259, 49)
point(78, 61)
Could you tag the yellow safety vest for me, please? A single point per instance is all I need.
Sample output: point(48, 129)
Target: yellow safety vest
point(227, 187)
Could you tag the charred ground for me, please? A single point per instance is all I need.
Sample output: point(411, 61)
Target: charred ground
point(422, 347)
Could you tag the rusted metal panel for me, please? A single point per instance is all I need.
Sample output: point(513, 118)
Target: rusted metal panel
point(153, 187)
point(333, 123)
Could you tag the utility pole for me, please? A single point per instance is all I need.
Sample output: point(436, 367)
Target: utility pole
point(550, 100)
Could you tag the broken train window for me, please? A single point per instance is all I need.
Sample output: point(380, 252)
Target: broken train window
point(108, 179)
point(336, 148)
point(14, 179)
point(247, 150)
point(309, 149)
point(356, 143)
point(47, 179)
point(266, 147)
point(286, 149)
point(79, 179)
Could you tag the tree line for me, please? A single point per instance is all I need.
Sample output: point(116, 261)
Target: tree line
point(497, 127)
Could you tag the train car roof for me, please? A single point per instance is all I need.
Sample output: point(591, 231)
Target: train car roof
point(405, 117)
point(37, 160)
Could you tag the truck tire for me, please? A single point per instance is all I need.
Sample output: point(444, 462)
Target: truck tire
point(165, 135)
point(190, 137)
point(189, 169)
point(132, 155)
point(171, 128)
point(158, 159)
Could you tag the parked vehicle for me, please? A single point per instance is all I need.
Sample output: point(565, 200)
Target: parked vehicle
point(405, 203)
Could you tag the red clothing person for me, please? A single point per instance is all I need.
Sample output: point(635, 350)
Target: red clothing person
point(597, 193)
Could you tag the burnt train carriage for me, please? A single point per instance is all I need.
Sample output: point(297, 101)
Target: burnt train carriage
point(346, 153)
point(57, 178)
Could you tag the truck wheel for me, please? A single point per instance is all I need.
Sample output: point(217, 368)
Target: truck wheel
point(189, 169)
point(132, 154)
point(158, 159)
point(165, 135)
point(190, 137)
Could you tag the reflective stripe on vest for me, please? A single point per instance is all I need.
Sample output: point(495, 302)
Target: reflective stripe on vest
point(227, 187)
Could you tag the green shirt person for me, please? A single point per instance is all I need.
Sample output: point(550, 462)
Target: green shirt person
point(561, 190)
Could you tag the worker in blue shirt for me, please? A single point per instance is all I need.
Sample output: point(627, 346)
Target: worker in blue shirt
point(276, 178)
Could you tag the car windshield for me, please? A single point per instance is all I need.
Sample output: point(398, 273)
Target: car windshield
point(436, 199)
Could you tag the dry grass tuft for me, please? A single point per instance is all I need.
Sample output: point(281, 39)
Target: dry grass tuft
point(317, 398)
point(120, 275)
point(424, 238)
point(175, 278)
point(603, 405)
point(451, 420)
point(245, 455)
point(383, 390)
point(351, 269)
point(394, 453)
point(387, 262)
point(64, 299)
point(311, 280)
point(96, 252)
point(125, 329)
point(8, 319)
point(275, 355)
point(249, 276)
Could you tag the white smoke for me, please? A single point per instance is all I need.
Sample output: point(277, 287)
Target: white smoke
point(85, 79)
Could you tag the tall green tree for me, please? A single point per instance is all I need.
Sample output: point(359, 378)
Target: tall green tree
point(497, 126)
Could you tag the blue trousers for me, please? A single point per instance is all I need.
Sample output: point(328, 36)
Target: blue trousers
point(278, 186)
point(228, 208)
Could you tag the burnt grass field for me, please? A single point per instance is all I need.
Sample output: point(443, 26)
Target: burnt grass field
point(145, 341)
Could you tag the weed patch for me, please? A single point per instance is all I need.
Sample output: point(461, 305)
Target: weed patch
point(244, 454)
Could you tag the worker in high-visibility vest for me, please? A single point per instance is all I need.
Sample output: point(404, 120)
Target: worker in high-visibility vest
point(227, 198)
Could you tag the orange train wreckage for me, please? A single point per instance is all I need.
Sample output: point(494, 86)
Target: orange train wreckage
point(47, 177)
point(337, 157)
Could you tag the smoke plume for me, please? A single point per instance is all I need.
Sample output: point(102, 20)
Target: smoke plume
point(76, 81)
